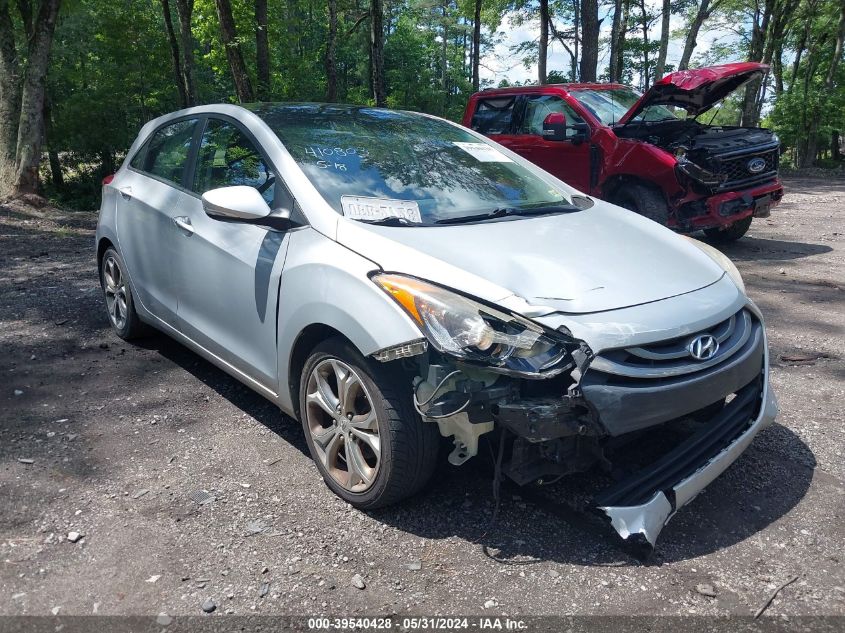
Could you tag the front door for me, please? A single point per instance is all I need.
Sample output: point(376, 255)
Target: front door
point(568, 160)
point(150, 197)
point(228, 273)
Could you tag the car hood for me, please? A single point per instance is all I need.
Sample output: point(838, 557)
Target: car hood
point(593, 260)
point(696, 90)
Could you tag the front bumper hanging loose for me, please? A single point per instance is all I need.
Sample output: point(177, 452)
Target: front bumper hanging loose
point(639, 507)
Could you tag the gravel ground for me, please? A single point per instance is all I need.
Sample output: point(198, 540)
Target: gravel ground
point(179, 485)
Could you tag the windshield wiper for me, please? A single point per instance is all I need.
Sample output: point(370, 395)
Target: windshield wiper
point(502, 212)
point(391, 220)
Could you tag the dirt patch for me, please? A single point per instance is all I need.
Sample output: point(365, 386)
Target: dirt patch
point(183, 485)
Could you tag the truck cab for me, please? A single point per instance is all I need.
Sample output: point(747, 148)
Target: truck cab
point(649, 153)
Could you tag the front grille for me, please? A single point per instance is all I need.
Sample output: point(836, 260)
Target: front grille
point(733, 169)
point(672, 358)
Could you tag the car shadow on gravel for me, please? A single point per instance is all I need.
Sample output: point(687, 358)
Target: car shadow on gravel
point(552, 523)
point(244, 398)
point(762, 249)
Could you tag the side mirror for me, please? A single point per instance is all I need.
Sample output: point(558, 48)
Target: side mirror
point(235, 203)
point(554, 127)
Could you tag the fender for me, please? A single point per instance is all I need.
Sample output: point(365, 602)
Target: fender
point(332, 288)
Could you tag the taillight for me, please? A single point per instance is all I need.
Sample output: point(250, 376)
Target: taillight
point(107, 180)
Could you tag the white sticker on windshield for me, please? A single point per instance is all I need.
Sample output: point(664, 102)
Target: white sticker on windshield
point(483, 152)
point(360, 208)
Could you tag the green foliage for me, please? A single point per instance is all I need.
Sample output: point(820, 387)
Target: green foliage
point(112, 68)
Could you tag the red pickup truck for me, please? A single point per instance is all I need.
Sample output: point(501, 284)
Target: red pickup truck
point(650, 153)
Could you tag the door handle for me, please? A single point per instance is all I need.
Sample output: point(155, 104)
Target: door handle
point(184, 223)
point(126, 192)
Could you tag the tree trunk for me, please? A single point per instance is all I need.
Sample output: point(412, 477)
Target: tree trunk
point(691, 42)
point(615, 53)
point(9, 99)
point(618, 62)
point(262, 49)
point(331, 54)
point(660, 66)
point(476, 46)
point(377, 52)
point(229, 35)
point(646, 76)
point(174, 54)
point(543, 51)
point(444, 55)
point(185, 8)
point(837, 51)
point(759, 28)
point(52, 154)
point(25, 9)
point(777, 68)
point(31, 124)
point(590, 26)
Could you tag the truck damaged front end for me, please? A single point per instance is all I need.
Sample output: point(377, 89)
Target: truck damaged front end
point(568, 393)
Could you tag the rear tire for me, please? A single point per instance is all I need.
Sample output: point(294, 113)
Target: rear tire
point(120, 304)
point(644, 200)
point(370, 446)
point(730, 234)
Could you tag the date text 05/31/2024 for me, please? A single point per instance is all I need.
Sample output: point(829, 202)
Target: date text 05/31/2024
point(421, 623)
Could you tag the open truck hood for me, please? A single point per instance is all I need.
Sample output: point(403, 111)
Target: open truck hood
point(602, 258)
point(696, 90)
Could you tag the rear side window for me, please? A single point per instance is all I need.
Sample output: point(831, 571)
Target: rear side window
point(166, 153)
point(137, 161)
point(493, 116)
point(228, 158)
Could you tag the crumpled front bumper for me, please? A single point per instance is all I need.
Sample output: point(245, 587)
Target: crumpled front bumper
point(640, 523)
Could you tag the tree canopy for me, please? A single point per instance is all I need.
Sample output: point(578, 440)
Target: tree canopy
point(80, 77)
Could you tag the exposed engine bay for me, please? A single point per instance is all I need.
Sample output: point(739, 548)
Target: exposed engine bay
point(648, 419)
point(715, 156)
point(694, 136)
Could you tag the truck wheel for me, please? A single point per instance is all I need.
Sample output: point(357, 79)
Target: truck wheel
point(644, 200)
point(731, 233)
point(368, 443)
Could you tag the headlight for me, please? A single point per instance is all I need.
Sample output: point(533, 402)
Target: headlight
point(722, 260)
point(476, 333)
point(689, 168)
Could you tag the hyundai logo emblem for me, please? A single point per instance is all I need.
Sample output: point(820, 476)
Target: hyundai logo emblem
point(756, 165)
point(703, 347)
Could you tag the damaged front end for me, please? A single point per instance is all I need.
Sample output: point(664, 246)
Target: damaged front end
point(558, 408)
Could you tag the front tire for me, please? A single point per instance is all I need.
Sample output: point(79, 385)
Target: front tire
point(368, 443)
point(643, 200)
point(120, 303)
point(730, 234)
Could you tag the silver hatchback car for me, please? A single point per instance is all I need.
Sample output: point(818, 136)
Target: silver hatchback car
point(389, 277)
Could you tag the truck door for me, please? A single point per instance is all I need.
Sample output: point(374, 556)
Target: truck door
point(569, 160)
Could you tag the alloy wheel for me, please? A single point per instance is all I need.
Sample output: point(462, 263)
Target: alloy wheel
point(343, 424)
point(115, 288)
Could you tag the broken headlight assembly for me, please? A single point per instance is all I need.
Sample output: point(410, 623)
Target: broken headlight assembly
point(477, 334)
point(694, 171)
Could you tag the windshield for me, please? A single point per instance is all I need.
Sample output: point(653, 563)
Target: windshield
point(372, 164)
point(608, 106)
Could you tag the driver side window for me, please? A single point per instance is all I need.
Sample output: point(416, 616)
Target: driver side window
point(538, 107)
point(227, 158)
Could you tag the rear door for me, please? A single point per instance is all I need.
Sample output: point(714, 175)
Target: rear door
point(568, 160)
point(151, 193)
point(228, 272)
